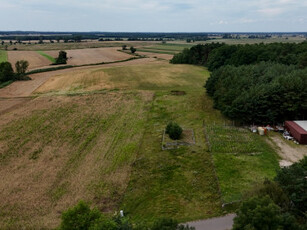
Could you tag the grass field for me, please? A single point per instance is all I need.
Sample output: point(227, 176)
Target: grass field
point(169, 48)
point(3, 56)
point(106, 148)
point(59, 150)
point(50, 58)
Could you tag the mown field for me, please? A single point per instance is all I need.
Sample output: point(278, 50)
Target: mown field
point(168, 48)
point(101, 141)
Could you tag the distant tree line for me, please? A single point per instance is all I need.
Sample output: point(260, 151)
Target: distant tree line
point(260, 83)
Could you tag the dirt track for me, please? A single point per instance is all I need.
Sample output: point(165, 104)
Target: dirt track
point(288, 152)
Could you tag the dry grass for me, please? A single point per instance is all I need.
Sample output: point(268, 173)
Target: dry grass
point(56, 151)
point(144, 77)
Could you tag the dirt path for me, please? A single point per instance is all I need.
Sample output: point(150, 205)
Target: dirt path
point(287, 150)
point(218, 223)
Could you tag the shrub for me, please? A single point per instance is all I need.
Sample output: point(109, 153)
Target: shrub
point(173, 130)
point(79, 217)
point(124, 47)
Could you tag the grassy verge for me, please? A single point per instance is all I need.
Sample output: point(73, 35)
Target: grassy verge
point(3, 56)
point(52, 59)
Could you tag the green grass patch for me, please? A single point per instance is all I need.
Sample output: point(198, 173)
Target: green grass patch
point(3, 56)
point(176, 183)
point(241, 158)
point(50, 58)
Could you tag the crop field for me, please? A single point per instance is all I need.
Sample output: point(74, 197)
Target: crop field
point(35, 59)
point(241, 158)
point(3, 56)
point(56, 151)
point(91, 56)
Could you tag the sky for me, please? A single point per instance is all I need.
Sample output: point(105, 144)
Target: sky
point(154, 15)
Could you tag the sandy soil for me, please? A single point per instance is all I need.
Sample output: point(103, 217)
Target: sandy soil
point(90, 56)
point(35, 60)
point(288, 153)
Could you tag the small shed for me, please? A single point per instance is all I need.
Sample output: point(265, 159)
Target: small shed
point(298, 129)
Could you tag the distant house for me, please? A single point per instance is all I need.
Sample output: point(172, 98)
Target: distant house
point(298, 129)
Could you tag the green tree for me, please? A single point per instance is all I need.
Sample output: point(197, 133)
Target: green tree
point(293, 181)
point(62, 58)
point(124, 47)
point(260, 213)
point(132, 49)
point(21, 67)
point(6, 72)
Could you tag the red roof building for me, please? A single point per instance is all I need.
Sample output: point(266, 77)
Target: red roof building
point(298, 129)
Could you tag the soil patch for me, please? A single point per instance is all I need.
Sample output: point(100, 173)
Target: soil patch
point(178, 93)
point(187, 138)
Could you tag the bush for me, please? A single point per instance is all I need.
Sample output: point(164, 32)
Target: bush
point(79, 217)
point(173, 130)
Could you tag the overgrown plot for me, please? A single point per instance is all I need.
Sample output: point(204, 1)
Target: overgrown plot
point(241, 158)
point(177, 183)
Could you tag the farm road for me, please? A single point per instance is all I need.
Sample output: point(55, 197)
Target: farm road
point(218, 223)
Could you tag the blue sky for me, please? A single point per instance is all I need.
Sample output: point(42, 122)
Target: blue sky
point(155, 15)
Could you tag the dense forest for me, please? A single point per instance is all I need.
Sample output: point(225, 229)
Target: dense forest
point(261, 83)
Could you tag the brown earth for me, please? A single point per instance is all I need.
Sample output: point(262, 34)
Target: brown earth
point(92, 56)
point(35, 60)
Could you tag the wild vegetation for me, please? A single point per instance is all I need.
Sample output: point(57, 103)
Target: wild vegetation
point(3, 56)
point(279, 204)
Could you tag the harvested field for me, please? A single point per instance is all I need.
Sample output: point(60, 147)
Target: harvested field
point(35, 60)
point(25, 88)
point(146, 77)
point(57, 150)
point(91, 56)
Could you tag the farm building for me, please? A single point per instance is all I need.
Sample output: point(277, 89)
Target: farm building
point(298, 129)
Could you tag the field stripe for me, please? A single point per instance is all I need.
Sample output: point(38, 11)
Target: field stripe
point(3, 56)
point(52, 59)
